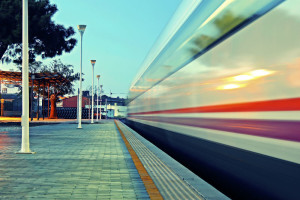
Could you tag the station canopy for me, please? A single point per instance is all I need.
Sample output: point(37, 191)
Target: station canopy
point(41, 79)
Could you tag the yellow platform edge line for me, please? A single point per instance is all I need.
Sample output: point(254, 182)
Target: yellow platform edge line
point(146, 178)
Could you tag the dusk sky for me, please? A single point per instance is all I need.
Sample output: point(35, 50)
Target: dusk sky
point(119, 35)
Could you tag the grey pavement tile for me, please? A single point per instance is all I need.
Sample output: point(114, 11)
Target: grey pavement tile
point(70, 163)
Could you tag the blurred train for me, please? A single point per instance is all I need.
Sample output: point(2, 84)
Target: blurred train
point(220, 92)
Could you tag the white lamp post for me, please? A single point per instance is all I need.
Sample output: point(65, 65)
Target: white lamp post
point(25, 147)
point(77, 105)
point(100, 101)
point(93, 62)
point(32, 98)
point(98, 76)
point(81, 29)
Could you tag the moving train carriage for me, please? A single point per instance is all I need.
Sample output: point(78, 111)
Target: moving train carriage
point(220, 92)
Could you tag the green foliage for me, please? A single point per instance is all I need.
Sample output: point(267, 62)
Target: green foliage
point(56, 66)
point(46, 38)
point(61, 88)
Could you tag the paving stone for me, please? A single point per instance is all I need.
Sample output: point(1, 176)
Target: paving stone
point(70, 163)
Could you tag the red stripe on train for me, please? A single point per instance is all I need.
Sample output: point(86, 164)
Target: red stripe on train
point(292, 104)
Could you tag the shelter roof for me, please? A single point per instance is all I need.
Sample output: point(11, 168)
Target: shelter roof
point(43, 78)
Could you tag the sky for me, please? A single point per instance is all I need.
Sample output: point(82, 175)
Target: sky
point(119, 34)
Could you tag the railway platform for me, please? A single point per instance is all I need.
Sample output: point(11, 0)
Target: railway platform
point(105, 160)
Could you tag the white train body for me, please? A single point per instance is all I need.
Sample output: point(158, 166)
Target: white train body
point(227, 76)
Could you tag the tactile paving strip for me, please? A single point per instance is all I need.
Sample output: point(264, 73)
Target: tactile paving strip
point(148, 182)
point(170, 185)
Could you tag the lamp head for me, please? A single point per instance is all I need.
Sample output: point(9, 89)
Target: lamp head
point(93, 61)
point(98, 76)
point(81, 28)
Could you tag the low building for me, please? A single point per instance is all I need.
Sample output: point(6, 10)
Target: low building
point(71, 102)
point(11, 105)
point(116, 111)
point(110, 107)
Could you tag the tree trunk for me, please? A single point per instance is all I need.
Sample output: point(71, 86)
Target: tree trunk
point(53, 112)
point(3, 48)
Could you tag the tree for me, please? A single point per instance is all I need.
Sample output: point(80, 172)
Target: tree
point(59, 88)
point(89, 89)
point(46, 38)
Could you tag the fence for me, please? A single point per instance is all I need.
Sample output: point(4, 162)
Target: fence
point(71, 113)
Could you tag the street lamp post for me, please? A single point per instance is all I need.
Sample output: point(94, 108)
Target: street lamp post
point(32, 83)
point(100, 101)
point(25, 147)
point(1, 106)
point(106, 108)
point(98, 76)
point(93, 62)
point(81, 29)
point(77, 106)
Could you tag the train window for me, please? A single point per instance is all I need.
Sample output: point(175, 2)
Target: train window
point(209, 24)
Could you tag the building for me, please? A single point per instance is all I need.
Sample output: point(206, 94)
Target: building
point(115, 107)
point(71, 102)
point(10, 101)
point(11, 105)
point(110, 107)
